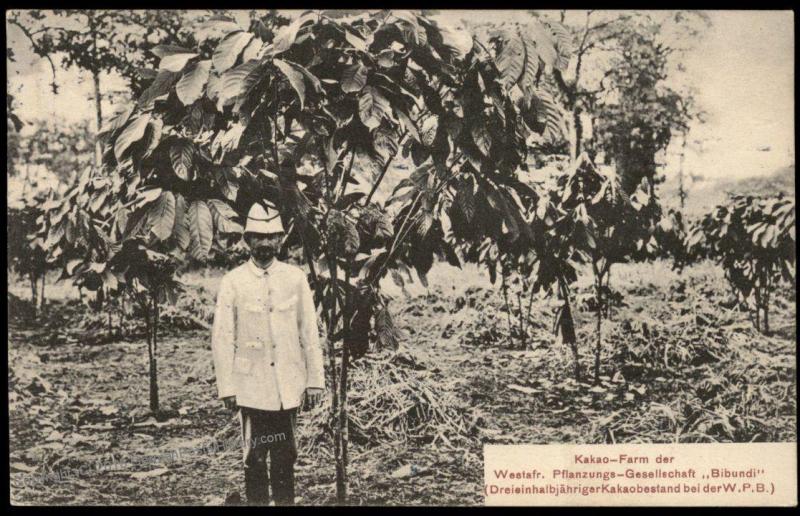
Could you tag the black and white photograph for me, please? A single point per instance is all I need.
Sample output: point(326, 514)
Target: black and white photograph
point(379, 257)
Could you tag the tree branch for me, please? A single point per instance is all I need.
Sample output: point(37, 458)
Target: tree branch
point(404, 229)
point(346, 175)
point(38, 50)
point(385, 168)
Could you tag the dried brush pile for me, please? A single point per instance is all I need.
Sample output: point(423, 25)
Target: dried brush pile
point(393, 398)
point(712, 379)
point(193, 311)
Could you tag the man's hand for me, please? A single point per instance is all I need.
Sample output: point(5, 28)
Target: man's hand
point(229, 402)
point(313, 397)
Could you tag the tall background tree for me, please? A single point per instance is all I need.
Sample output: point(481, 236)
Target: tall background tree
point(624, 93)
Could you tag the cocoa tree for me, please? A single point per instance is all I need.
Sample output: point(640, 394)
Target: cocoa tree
point(617, 228)
point(112, 232)
point(25, 253)
point(311, 120)
point(753, 238)
point(670, 234)
point(52, 147)
point(38, 163)
point(116, 237)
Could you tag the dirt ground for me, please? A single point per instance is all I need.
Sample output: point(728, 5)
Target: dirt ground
point(679, 364)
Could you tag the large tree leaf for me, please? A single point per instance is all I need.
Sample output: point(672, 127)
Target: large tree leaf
point(311, 79)
point(357, 42)
point(229, 189)
point(118, 120)
point(176, 62)
point(527, 51)
point(252, 50)
point(512, 59)
point(372, 107)
point(153, 135)
point(408, 124)
point(354, 78)
point(539, 40)
point(131, 134)
point(182, 156)
point(388, 335)
point(163, 51)
point(482, 138)
point(562, 40)
point(160, 87)
point(385, 142)
point(161, 216)
point(147, 196)
point(54, 236)
point(180, 231)
point(295, 78)
point(228, 50)
point(550, 121)
point(457, 39)
point(287, 35)
point(190, 86)
point(238, 81)
point(430, 127)
point(201, 230)
point(223, 217)
point(226, 141)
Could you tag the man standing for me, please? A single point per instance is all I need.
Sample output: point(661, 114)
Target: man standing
point(267, 356)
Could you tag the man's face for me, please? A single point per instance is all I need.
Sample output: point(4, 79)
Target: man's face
point(264, 247)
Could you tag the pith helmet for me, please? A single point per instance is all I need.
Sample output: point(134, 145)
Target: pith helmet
point(260, 220)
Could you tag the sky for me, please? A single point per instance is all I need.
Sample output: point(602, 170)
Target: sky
point(742, 70)
point(744, 75)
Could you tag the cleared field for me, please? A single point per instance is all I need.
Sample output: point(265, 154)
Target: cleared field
point(677, 366)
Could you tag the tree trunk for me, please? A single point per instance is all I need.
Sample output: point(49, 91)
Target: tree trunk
point(121, 318)
point(99, 297)
point(521, 327)
point(110, 326)
point(98, 113)
point(27, 180)
point(504, 290)
point(98, 100)
point(342, 427)
point(526, 327)
point(578, 125)
point(41, 305)
point(34, 292)
point(608, 290)
point(599, 346)
point(344, 430)
point(571, 339)
point(759, 325)
point(681, 188)
point(765, 302)
point(153, 349)
point(341, 472)
point(758, 309)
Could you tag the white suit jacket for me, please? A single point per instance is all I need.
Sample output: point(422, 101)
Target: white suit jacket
point(265, 340)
